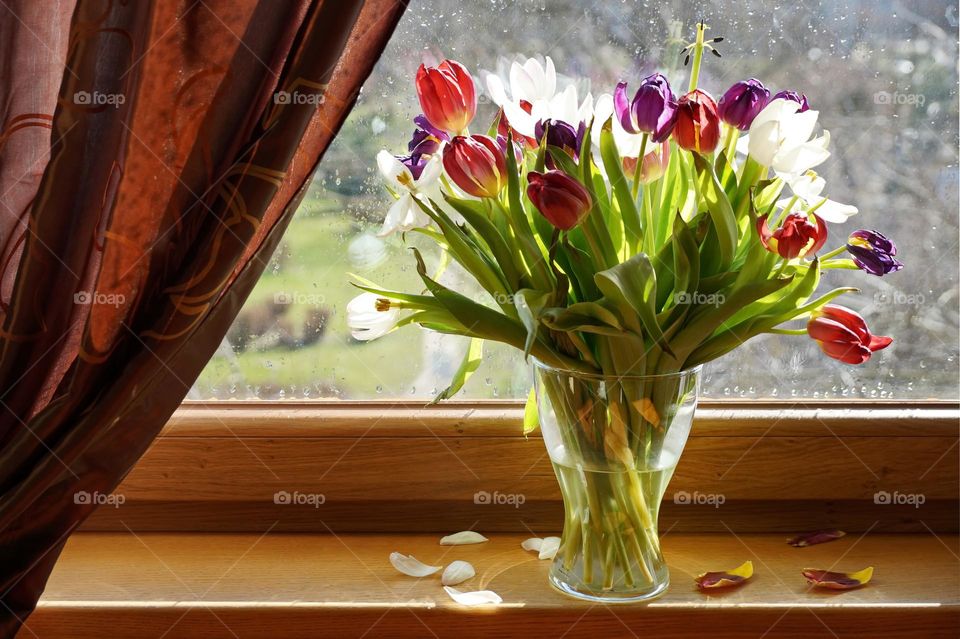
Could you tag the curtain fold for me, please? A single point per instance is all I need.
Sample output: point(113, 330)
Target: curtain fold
point(151, 156)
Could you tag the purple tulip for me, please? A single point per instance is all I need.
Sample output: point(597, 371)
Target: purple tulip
point(873, 252)
point(426, 138)
point(653, 109)
point(413, 162)
point(561, 134)
point(799, 98)
point(742, 102)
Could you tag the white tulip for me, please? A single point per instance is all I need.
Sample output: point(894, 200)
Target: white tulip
point(536, 83)
point(808, 187)
point(628, 144)
point(780, 139)
point(366, 321)
point(405, 214)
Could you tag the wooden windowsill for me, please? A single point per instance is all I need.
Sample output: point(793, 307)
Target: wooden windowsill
point(321, 585)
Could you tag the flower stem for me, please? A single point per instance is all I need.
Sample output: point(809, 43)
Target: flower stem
point(697, 56)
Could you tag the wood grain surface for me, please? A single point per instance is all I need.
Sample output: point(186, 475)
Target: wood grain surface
point(122, 585)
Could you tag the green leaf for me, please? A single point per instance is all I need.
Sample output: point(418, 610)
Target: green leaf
point(471, 361)
point(588, 317)
point(721, 212)
point(621, 187)
point(633, 285)
point(492, 237)
point(529, 304)
point(531, 418)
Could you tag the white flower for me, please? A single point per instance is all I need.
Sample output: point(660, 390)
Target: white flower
point(628, 144)
point(366, 322)
point(535, 83)
point(780, 138)
point(808, 187)
point(405, 214)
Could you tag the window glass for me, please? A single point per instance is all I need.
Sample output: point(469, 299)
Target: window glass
point(882, 74)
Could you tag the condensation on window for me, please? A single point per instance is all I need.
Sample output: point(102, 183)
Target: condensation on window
point(883, 76)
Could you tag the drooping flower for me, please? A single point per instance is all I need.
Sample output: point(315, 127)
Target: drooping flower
point(798, 236)
point(447, 95)
point(561, 134)
point(808, 188)
point(653, 109)
point(408, 178)
point(370, 316)
point(843, 334)
point(873, 252)
point(742, 103)
point(780, 138)
point(476, 164)
point(799, 98)
point(535, 96)
point(559, 198)
point(698, 124)
point(654, 163)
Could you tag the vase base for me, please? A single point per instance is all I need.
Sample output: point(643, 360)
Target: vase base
point(612, 597)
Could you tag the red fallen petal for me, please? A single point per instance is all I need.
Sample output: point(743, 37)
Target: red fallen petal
point(735, 577)
point(816, 537)
point(879, 342)
point(837, 580)
point(846, 353)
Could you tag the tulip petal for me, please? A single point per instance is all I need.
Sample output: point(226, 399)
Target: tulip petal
point(463, 538)
point(476, 598)
point(457, 572)
point(549, 548)
point(816, 537)
point(735, 577)
point(410, 565)
point(835, 212)
point(534, 544)
point(837, 580)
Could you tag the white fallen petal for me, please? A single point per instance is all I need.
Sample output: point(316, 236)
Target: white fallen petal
point(462, 538)
point(409, 565)
point(457, 572)
point(477, 598)
point(549, 547)
point(534, 543)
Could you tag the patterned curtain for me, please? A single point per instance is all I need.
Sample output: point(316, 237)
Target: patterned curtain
point(152, 153)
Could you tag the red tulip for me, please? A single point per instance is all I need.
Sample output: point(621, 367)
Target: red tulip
point(559, 198)
point(698, 124)
point(796, 237)
point(476, 164)
point(447, 95)
point(843, 334)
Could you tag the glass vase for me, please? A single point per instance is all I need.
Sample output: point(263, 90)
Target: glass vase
point(614, 442)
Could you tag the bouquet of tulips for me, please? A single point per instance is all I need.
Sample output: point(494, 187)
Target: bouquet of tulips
point(622, 242)
point(642, 234)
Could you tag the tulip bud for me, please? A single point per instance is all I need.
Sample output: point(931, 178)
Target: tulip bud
point(796, 237)
point(447, 95)
point(561, 134)
point(476, 164)
point(843, 334)
point(742, 102)
point(559, 198)
point(873, 252)
point(793, 96)
point(654, 164)
point(653, 109)
point(698, 124)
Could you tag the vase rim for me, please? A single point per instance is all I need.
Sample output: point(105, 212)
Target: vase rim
point(574, 373)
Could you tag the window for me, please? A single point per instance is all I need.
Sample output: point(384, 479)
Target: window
point(883, 76)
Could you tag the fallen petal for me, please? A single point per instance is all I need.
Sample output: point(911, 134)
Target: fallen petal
point(534, 543)
point(463, 538)
point(838, 580)
point(816, 537)
point(409, 565)
point(735, 577)
point(477, 598)
point(648, 411)
point(549, 547)
point(457, 572)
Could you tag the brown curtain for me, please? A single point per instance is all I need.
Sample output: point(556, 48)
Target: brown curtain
point(151, 156)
